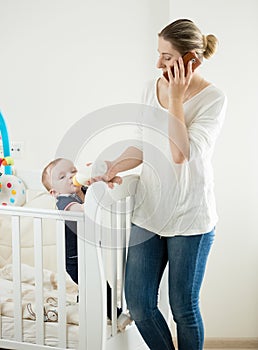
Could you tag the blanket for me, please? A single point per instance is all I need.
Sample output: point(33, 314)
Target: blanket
point(50, 303)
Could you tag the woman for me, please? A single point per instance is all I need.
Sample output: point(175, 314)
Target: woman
point(175, 216)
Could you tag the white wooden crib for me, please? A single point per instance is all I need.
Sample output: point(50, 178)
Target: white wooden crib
point(103, 232)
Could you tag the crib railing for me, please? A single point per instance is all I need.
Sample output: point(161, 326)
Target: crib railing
point(102, 239)
point(38, 216)
point(107, 222)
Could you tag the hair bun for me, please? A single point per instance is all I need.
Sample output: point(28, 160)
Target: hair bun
point(204, 38)
point(210, 44)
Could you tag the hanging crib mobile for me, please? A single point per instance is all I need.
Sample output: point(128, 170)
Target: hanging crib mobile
point(12, 189)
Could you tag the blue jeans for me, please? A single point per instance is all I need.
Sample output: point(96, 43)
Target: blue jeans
point(148, 256)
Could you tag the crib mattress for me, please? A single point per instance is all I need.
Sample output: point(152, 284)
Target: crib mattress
point(29, 332)
point(7, 332)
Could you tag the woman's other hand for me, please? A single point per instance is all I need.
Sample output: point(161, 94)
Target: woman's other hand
point(109, 176)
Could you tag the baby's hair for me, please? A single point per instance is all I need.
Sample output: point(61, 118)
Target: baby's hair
point(46, 176)
point(185, 36)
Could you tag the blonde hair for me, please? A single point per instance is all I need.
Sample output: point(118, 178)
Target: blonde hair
point(185, 36)
point(46, 176)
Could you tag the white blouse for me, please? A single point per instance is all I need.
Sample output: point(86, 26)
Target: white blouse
point(178, 199)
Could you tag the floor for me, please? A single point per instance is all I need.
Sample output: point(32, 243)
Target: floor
point(210, 348)
point(204, 349)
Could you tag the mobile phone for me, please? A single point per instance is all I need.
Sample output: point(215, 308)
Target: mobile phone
point(189, 56)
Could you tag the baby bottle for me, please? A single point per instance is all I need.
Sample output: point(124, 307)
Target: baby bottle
point(91, 170)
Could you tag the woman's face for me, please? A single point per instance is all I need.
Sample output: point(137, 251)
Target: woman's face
point(167, 54)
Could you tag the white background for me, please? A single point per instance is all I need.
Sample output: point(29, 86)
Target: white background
point(62, 59)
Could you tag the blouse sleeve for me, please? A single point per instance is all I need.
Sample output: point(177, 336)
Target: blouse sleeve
point(205, 127)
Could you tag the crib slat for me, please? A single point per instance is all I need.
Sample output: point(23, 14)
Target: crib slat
point(82, 285)
point(114, 233)
point(96, 299)
point(122, 246)
point(0, 319)
point(38, 256)
point(60, 239)
point(16, 255)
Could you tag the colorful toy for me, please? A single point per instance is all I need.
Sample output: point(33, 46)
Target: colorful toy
point(12, 189)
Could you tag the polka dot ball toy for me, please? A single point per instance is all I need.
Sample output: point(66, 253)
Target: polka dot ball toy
point(12, 190)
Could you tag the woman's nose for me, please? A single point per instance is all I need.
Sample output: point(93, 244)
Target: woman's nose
point(160, 64)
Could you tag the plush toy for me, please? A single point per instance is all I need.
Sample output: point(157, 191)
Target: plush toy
point(50, 313)
point(12, 189)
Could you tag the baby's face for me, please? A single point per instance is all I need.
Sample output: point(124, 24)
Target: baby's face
point(61, 178)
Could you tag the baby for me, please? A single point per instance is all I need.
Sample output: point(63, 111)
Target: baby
point(57, 177)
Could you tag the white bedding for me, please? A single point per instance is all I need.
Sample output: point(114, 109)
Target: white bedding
point(28, 307)
point(28, 295)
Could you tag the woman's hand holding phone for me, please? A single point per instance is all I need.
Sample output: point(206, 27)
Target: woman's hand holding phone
point(189, 57)
point(178, 82)
point(180, 75)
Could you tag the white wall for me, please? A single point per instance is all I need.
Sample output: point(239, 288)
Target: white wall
point(61, 59)
point(230, 294)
